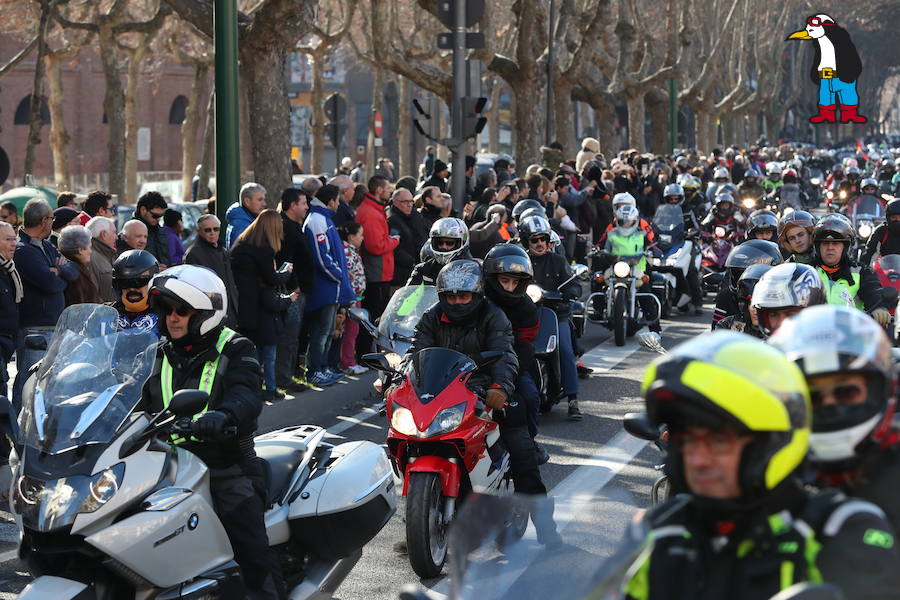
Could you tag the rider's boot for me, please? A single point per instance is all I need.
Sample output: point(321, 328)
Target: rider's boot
point(541, 454)
point(545, 526)
point(574, 412)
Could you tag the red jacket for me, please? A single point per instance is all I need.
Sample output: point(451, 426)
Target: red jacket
point(378, 246)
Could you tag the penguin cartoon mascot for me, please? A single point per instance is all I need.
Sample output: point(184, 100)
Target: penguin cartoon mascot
point(836, 68)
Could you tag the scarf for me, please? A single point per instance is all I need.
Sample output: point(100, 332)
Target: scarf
point(10, 267)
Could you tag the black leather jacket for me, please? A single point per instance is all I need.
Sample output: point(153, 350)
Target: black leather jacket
point(237, 391)
point(487, 329)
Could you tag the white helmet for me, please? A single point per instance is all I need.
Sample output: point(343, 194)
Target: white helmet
point(192, 286)
point(452, 229)
point(624, 198)
point(627, 217)
point(773, 168)
point(721, 173)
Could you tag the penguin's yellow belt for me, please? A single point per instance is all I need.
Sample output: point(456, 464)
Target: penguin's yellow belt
point(827, 74)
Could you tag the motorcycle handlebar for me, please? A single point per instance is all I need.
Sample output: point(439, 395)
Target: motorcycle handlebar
point(187, 427)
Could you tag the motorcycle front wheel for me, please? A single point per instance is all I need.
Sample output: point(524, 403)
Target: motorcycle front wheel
point(426, 531)
point(619, 318)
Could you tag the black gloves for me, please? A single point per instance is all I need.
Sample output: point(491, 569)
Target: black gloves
point(211, 425)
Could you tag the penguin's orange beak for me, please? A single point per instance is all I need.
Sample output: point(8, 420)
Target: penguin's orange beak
point(799, 35)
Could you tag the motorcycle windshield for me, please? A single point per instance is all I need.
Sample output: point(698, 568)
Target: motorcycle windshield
point(433, 369)
point(488, 562)
point(88, 383)
point(668, 219)
point(868, 207)
point(403, 312)
point(890, 263)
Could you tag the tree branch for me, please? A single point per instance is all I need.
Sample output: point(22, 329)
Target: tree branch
point(24, 52)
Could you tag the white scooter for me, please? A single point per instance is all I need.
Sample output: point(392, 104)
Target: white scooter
point(109, 509)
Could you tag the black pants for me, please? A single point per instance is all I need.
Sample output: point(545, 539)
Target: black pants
point(238, 502)
point(376, 299)
point(693, 280)
point(524, 469)
point(649, 307)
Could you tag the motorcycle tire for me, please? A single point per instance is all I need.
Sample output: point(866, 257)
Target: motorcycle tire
point(660, 492)
point(426, 533)
point(619, 317)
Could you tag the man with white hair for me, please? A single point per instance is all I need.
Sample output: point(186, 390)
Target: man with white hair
point(207, 251)
point(103, 242)
point(240, 214)
point(133, 236)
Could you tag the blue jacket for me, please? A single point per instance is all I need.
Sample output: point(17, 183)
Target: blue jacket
point(43, 299)
point(331, 285)
point(238, 220)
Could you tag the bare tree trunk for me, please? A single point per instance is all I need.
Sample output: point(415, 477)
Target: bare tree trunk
point(405, 147)
point(527, 122)
point(494, 117)
point(317, 122)
point(262, 71)
point(729, 131)
point(114, 106)
point(658, 109)
point(753, 126)
point(701, 119)
point(772, 122)
point(209, 143)
point(636, 121)
point(189, 128)
point(59, 136)
point(564, 109)
point(35, 120)
point(131, 121)
point(604, 117)
point(377, 95)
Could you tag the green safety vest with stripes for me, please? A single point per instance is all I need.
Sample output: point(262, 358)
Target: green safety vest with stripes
point(207, 377)
point(840, 292)
point(628, 245)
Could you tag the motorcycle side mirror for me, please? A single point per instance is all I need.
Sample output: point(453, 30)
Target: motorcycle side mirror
point(361, 316)
point(889, 295)
point(581, 271)
point(810, 591)
point(377, 361)
point(187, 403)
point(8, 423)
point(35, 341)
point(638, 425)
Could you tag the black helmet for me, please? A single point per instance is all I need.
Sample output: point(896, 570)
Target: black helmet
point(523, 205)
point(893, 208)
point(786, 286)
point(747, 282)
point(460, 276)
point(751, 252)
point(797, 218)
point(134, 269)
point(511, 260)
point(833, 228)
point(532, 226)
point(761, 221)
point(839, 340)
point(731, 380)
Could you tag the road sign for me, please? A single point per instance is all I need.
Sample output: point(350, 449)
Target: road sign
point(474, 40)
point(335, 132)
point(335, 107)
point(379, 142)
point(378, 124)
point(474, 10)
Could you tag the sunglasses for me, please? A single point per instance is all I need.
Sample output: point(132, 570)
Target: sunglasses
point(156, 216)
point(844, 393)
point(131, 284)
point(210, 229)
point(167, 309)
point(449, 244)
point(817, 22)
point(716, 442)
point(539, 238)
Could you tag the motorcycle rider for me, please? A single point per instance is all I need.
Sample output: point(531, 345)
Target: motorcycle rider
point(132, 272)
point(674, 194)
point(886, 237)
point(507, 273)
point(783, 291)
point(746, 320)
point(789, 193)
point(627, 240)
point(742, 524)
point(762, 225)
point(845, 286)
point(846, 357)
point(550, 271)
point(751, 252)
point(773, 177)
point(465, 321)
point(723, 214)
point(721, 183)
point(851, 185)
point(202, 353)
point(750, 187)
point(835, 177)
point(449, 240)
point(795, 236)
point(626, 199)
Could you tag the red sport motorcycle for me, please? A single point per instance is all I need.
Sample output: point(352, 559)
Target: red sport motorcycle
point(444, 444)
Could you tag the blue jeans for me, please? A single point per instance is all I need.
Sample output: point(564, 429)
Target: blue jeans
point(835, 91)
point(26, 358)
point(266, 355)
point(321, 324)
point(528, 391)
point(568, 372)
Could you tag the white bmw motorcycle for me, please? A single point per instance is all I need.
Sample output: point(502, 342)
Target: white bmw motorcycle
point(108, 509)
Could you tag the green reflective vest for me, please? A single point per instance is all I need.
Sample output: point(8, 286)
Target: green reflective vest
point(207, 377)
point(841, 293)
point(628, 245)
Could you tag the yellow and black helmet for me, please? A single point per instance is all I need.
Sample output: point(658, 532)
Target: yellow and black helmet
point(731, 380)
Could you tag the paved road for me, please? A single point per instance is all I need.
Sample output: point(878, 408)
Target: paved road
point(596, 471)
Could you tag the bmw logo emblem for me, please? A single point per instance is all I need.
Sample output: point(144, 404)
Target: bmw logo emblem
point(193, 520)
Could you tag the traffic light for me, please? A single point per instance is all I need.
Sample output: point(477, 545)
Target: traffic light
point(473, 122)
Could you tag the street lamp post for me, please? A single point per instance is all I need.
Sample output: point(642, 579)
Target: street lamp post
point(228, 158)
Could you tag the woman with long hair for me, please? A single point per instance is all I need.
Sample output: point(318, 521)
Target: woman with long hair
point(258, 283)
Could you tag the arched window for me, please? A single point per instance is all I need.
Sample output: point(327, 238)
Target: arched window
point(23, 112)
point(176, 112)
